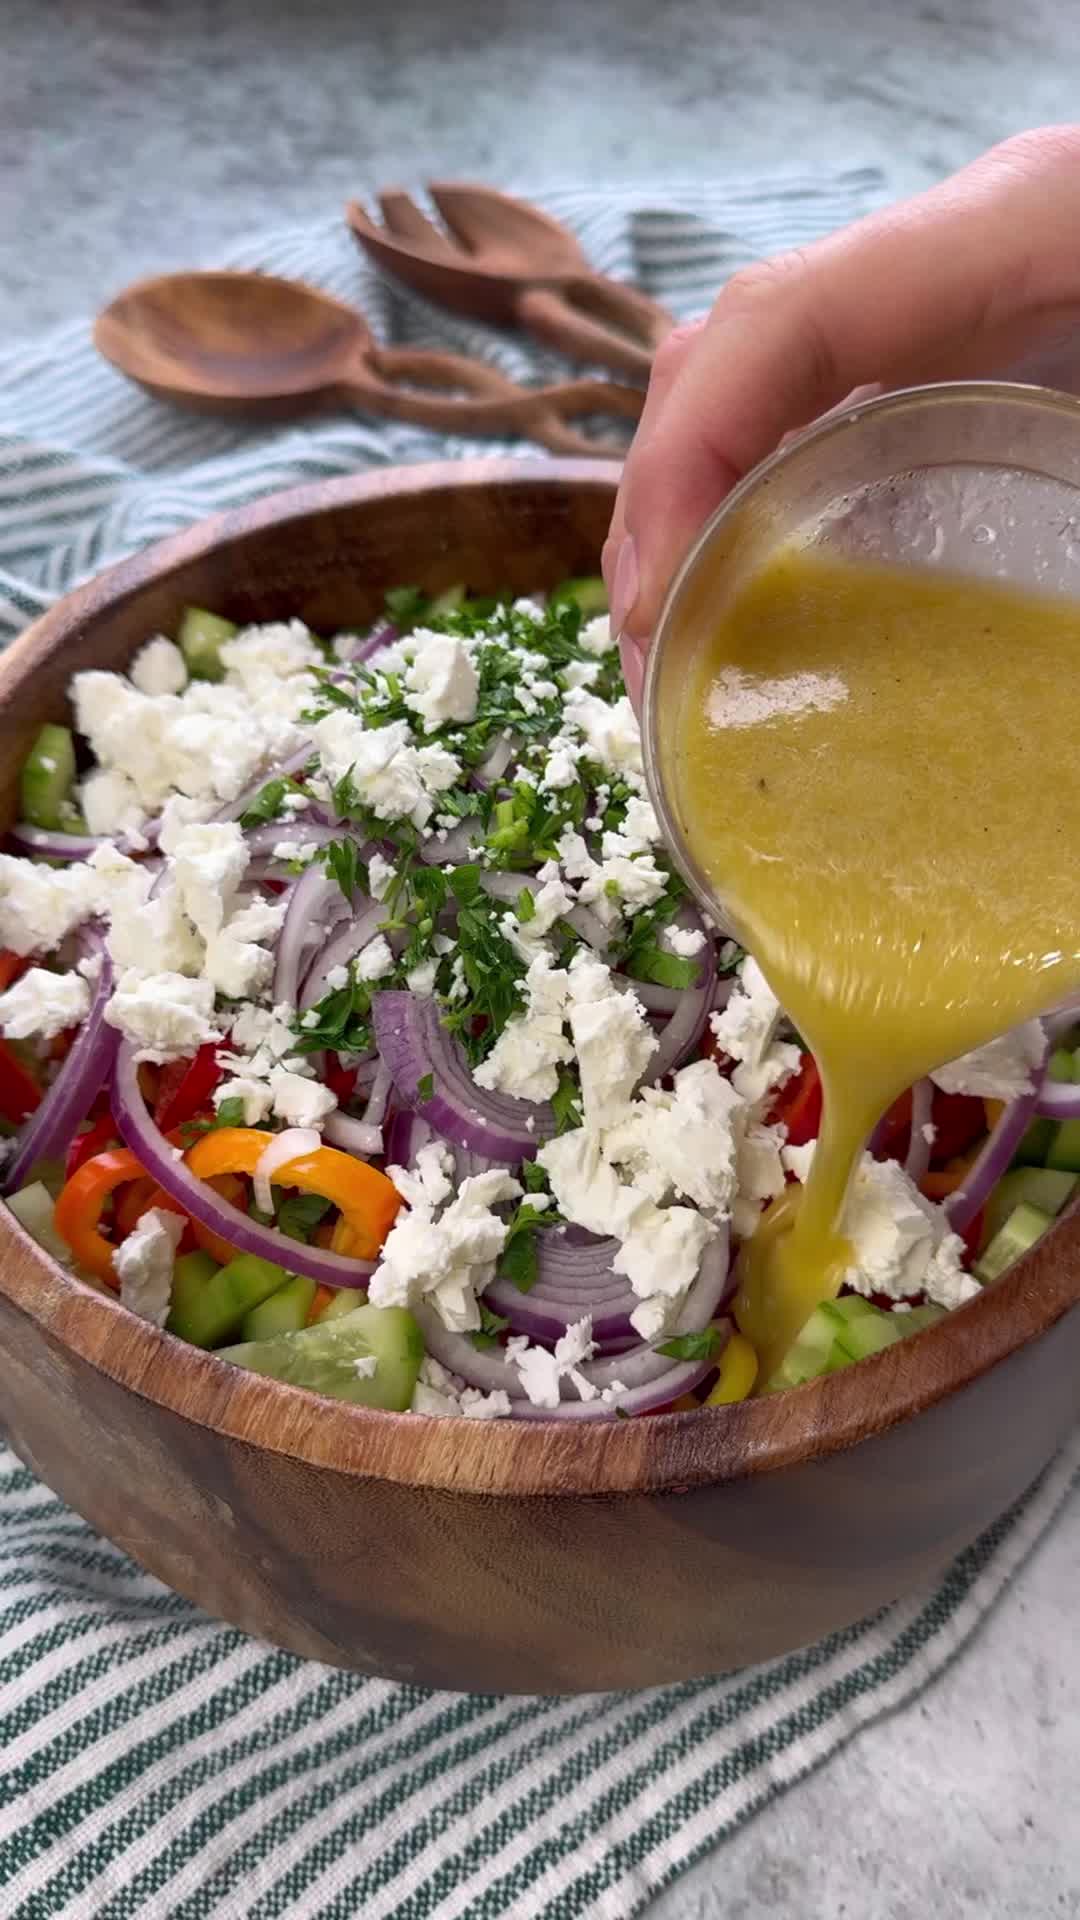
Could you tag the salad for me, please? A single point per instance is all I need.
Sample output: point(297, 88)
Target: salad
point(357, 1026)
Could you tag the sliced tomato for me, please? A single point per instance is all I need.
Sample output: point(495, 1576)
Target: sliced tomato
point(12, 965)
point(20, 1094)
point(185, 1088)
point(100, 1134)
point(959, 1120)
point(340, 1080)
point(797, 1105)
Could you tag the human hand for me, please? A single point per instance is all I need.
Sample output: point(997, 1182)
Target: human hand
point(978, 277)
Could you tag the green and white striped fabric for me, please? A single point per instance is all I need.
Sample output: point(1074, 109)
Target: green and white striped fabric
point(153, 1762)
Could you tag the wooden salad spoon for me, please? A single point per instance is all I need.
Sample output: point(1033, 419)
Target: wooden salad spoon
point(255, 345)
point(504, 261)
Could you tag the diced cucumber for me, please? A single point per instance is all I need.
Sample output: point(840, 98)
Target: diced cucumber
point(1034, 1145)
point(837, 1333)
point(1064, 1149)
point(207, 1313)
point(918, 1318)
point(1047, 1188)
point(1024, 1226)
point(48, 777)
point(588, 593)
point(447, 602)
point(323, 1357)
point(201, 638)
point(286, 1311)
point(806, 1358)
point(33, 1207)
point(192, 1274)
point(345, 1300)
point(1061, 1065)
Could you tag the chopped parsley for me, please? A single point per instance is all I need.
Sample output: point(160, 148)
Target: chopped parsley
point(298, 1214)
point(425, 1086)
point(491, 1325)
point(267, 803)
point(694, 1346)
point(519, 1260)
point(492, 970)
point(566, 1102)
point(343, 863)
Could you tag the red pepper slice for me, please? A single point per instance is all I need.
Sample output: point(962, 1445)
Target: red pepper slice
point(340, 1080)
point(99, 1135)
point(20, 1094)
point(798, 1104)
point(12, 965)
point(182, 1094)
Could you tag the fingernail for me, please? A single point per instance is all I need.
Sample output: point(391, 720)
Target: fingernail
point(624, 584)
point(633, 669)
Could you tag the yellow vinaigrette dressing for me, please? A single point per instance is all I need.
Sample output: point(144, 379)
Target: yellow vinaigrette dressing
point(879, 774)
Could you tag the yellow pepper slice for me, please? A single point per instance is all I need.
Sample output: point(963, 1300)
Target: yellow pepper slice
point(366, 1199)
point(736, 1373)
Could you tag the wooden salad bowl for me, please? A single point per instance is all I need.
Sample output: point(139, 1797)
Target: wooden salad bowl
point(493, 1555)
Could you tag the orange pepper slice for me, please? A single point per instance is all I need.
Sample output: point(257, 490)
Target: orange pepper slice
point(78, 1211)
point(365, 1198)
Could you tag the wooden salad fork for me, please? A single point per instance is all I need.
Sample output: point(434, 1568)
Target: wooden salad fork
point(505, 262)
point(255, 345)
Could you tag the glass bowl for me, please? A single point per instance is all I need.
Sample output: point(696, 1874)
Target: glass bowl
point(976, 478)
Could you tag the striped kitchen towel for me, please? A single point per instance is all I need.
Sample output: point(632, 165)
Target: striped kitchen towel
point(153, 1762)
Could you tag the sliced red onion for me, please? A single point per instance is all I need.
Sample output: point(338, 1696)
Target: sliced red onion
point(316, 903)
point(654, 998)
point(414, 1043)
point(497, 761)
point(353, 1136)
point(381, 635)
point(590, 927)
point(285, 1146)
point(639, 1369)
point(205, 1205)
point(996, 1155)
point(687, 1022)
point(375, 1111)
point(454, 849)
point(49, 845)
point(572, 1280)
point(405, 1135)
point(50, 1130)
point(287, 770)
point(918, 1153)
point(344, 945)
point(678, 1377)
point(1058, 1100)
point(298, 832)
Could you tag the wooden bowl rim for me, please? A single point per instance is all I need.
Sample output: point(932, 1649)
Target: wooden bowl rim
point(510, 1458)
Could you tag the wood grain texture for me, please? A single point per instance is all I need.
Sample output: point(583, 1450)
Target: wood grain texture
point(493, 1555)
point(508, 263)
point(255, 346)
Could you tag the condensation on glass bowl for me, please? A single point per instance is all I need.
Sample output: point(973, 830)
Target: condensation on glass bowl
point(1003, 523)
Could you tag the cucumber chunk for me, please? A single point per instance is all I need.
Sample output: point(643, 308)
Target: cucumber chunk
point(589, 594)
point(1047, 1188)
point(1035, 1144)
point(285, 1311)
point(1024, 1226)
point(47, 780)
point(33, 1208)
point(447, 602)
point(1064, 1149)
point(323, 1357)
point(345, 1300)
point(206, 1311)
point(201, 638)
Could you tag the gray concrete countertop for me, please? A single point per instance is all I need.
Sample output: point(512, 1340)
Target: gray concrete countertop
point(136, 136)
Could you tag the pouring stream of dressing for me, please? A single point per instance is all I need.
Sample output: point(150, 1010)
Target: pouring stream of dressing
point(879, 775)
